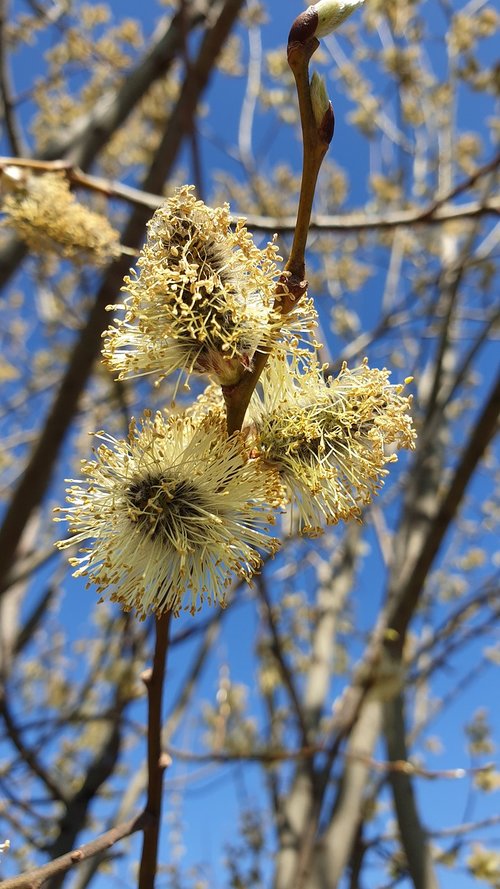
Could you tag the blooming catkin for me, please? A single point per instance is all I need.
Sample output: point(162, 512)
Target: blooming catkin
point(175, 510)
point(48, 217)
point(329, 438)
point(203, 299)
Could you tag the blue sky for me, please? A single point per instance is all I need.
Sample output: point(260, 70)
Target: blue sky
point(208, 808)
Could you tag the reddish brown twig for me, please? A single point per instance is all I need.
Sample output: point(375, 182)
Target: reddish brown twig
point(158, 760)
point(292, 284)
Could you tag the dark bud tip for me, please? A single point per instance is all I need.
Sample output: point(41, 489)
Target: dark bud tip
point(327, 127)
point(304, 27)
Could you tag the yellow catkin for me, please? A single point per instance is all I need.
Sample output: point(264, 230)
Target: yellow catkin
point(202, 300)
point(330, 440)
point(48, 217)
point(170, 515)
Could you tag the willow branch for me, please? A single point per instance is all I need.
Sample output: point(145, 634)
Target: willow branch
point(158, 761)
point(435, 213)
point(34, 879)
point(402, 608)
point(362, 221)
point(277, 650)
point(413, 836)
point(315, 146)
point(292, 285)
point(11, 125)
point(29, 755)
point(354, 754)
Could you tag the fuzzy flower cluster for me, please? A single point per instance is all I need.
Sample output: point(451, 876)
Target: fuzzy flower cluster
point(48, 217)
point(203, 299)
point(176, 510)
point(330, 439)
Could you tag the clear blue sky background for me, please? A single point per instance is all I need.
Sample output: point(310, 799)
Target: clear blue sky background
point(209, 806)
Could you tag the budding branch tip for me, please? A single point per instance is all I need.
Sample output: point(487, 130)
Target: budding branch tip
point(303, 28)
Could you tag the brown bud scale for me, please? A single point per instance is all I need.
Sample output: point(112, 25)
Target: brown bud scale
point(304, 27)
point(327, 127)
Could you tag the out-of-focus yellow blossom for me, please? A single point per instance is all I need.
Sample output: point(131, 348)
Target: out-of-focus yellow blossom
point(48, 217)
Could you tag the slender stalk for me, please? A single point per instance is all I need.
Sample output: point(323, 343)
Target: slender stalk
point(414, 838)
point(154, 680)
point(315, 146)
point(35, 879)
point(292, 284)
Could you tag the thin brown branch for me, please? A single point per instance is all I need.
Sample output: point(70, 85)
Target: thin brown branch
point(468, 827)
point(314, 151)
point(76, 810)
point(11, 125)
point(413, 836)
point(485, 170)
point(178, 708)
point(461, 616)
point(292, 285)
point(448, 393)
point(157, 760)
point(35, 879)
point(28, 755)
point(436, 213)
point(363, 221)
point(282, 754)
point(481, 435)
point(277, 650)
point(76, 176)
point(28, 566)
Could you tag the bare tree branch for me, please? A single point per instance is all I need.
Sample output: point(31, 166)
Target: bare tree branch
point(413, 836)
point(481, 434)
point(157, 759)
point(277, 650)
point(36, 878)
point(433, 214)
point(6, 92)
point(29, 756)
point(335, 846)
